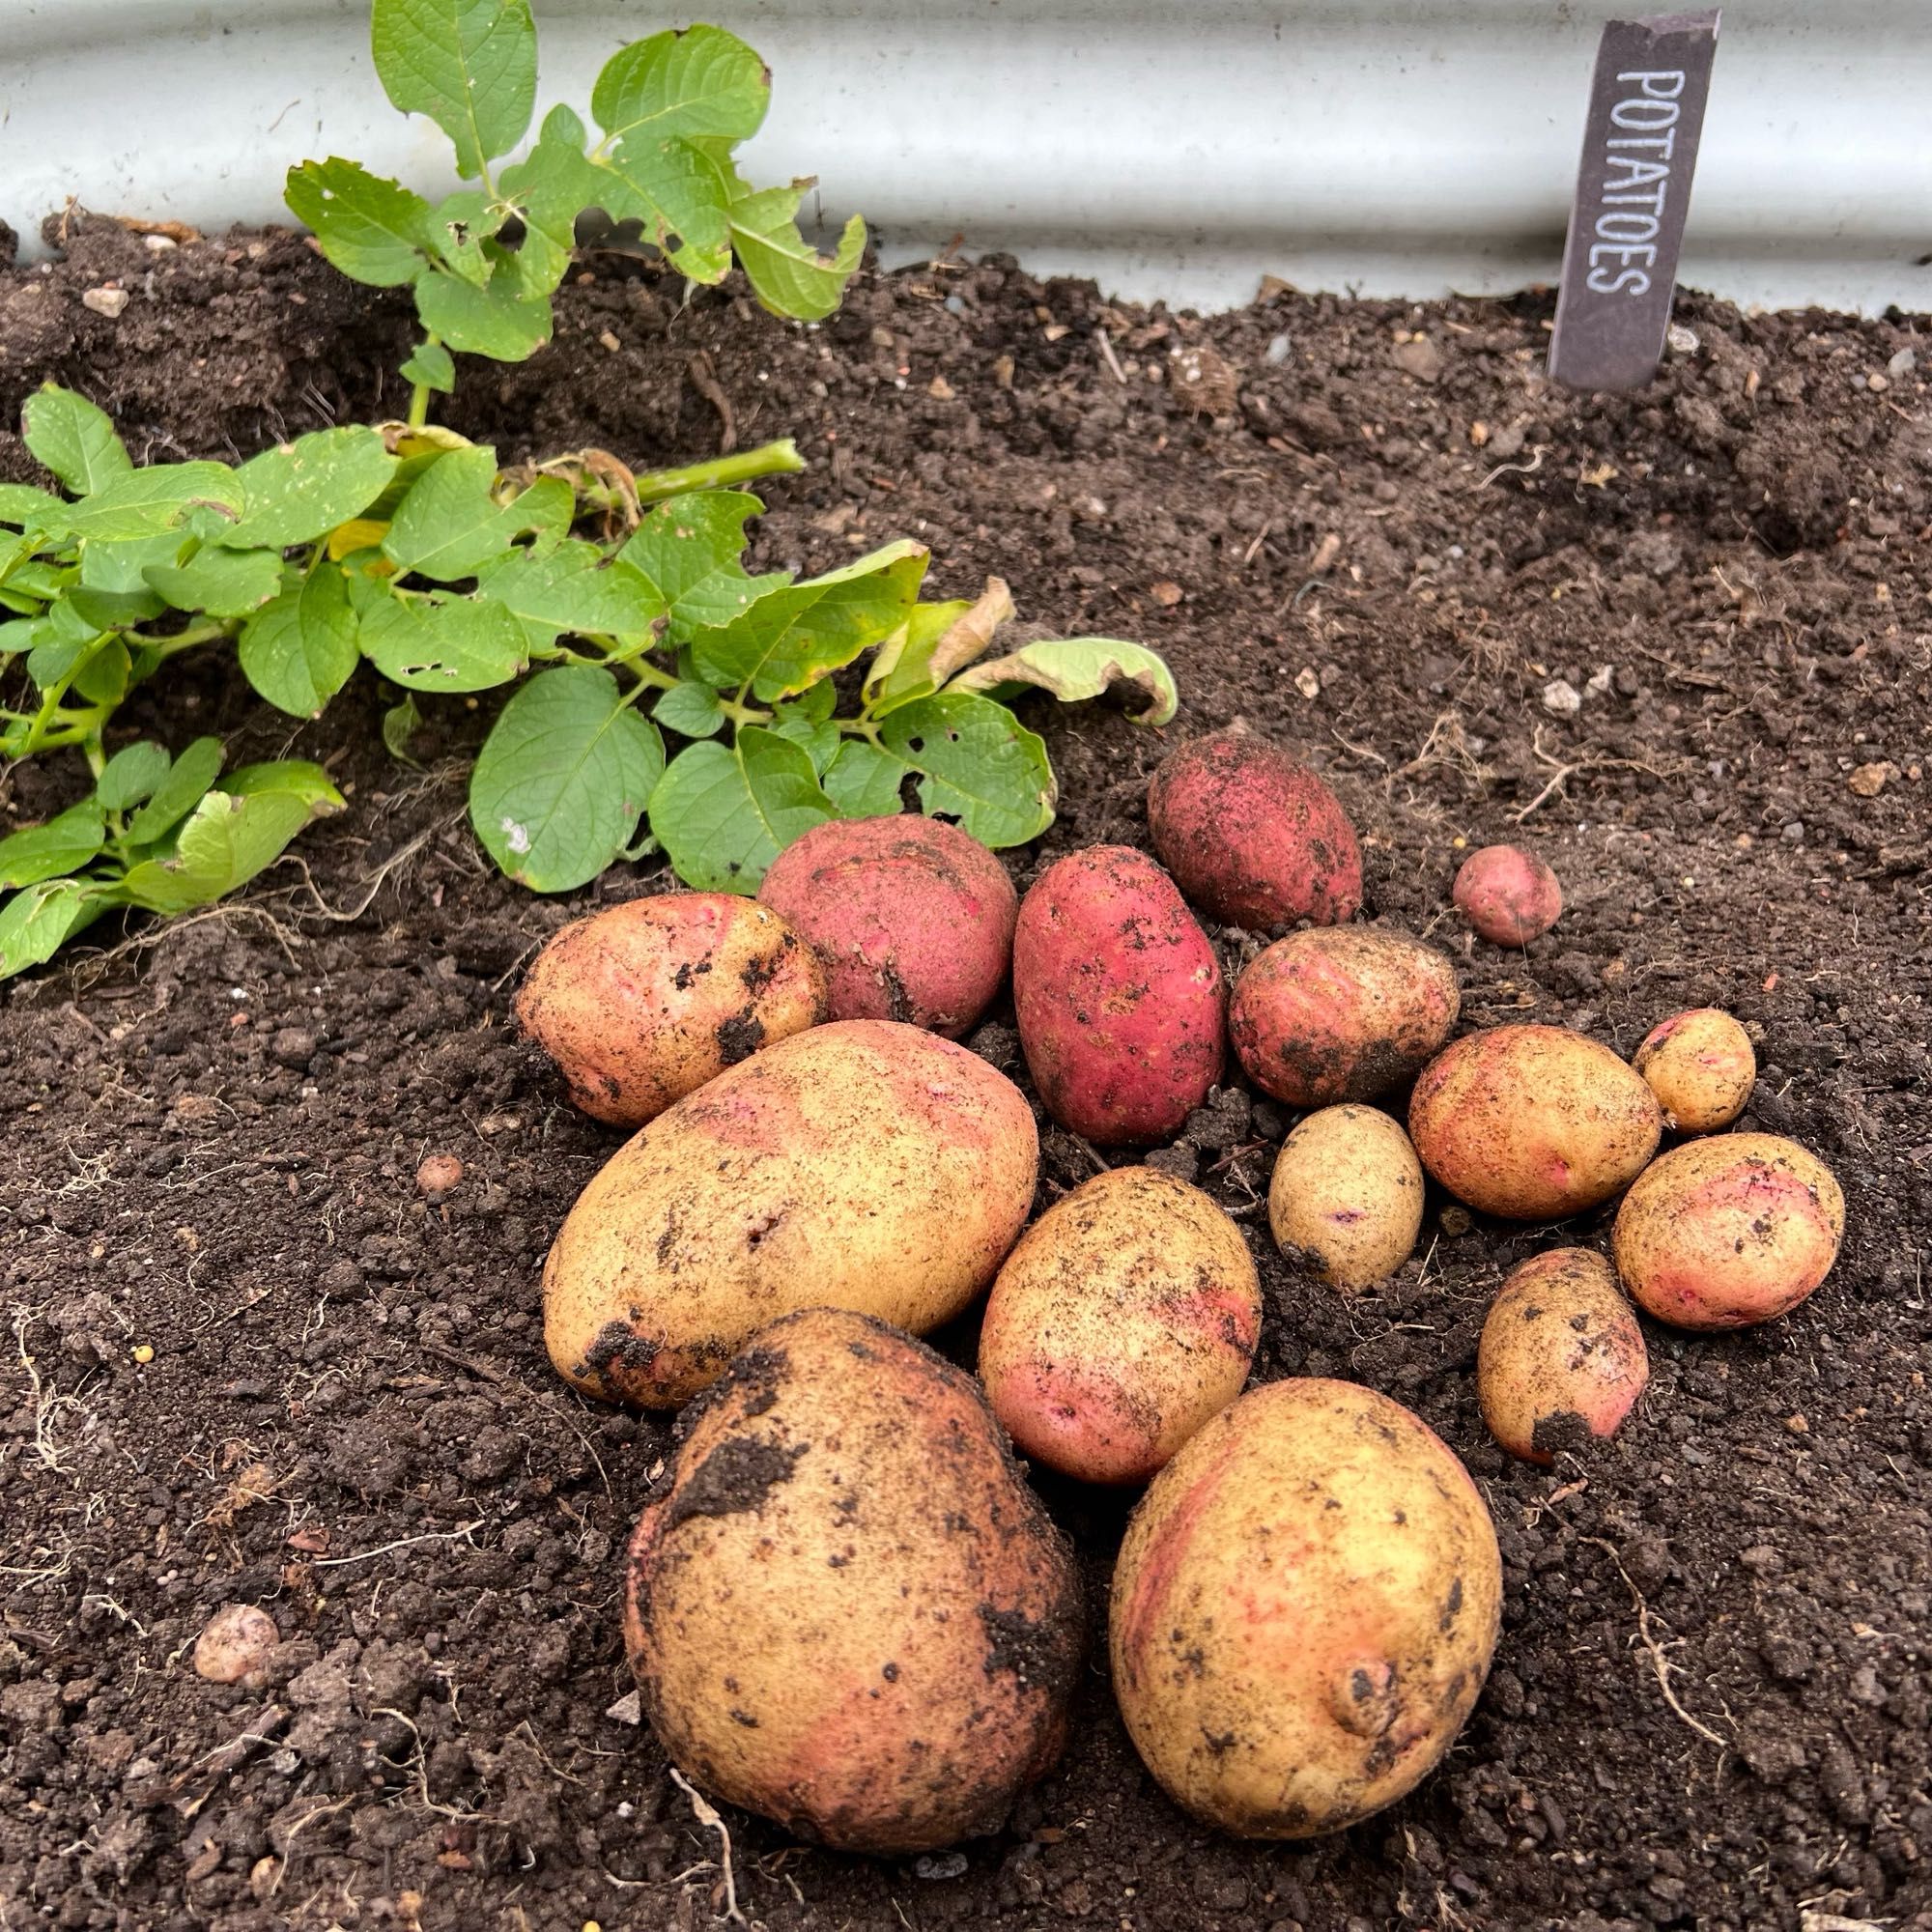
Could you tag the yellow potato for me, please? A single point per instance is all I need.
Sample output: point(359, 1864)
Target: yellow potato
point(1532, 1122)
point(1303, 1610)
point(1561, 1358)
point(1728, 1232)
point(1126, 1318)
point(1348, 1192)
point(1701, 1068)
point(865, 1165)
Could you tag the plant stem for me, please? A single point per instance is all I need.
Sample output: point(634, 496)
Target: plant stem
point(769, 459)
point(419, 394)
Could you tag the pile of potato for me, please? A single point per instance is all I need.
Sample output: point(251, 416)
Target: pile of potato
point(847, 1610)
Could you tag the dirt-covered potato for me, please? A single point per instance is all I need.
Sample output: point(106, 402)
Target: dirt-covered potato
point(1345, 1013)
point(861, 1165)
point(1561, 1358)
point(1532, 1122)
point(1728, 1232)
point(913, 917)
point(845, 1611)
point(1701, 1068)
point(1348, 1192)
point(1126, 1318)
point(642, 1003)
point(1508, 895)
point(1119, 997)
point(1303, 1610)
point(1254, 839)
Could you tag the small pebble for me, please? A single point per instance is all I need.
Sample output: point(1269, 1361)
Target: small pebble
point(1903, 363)
point(1600, 685)
point(1683, 341)
point(1419, 357)
point(160, 244)
point(106, 302)
point(439, 1174)
point(941, 1866)
point(1561, 696)
point(1278, 351)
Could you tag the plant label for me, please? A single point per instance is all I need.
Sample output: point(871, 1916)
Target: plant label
point(1633, 192)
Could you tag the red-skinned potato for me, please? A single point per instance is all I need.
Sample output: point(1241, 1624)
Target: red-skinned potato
point(1254, 839)
point(1532, 1122)
point(913, 917)
point(1303, 1611)
point(846, 1612)
point(1728, 1232)
point(642, 1003)
point(1126, 1318)
point(861, 1165)
point(1508, 895)
point(1119, 997)
point(1561, 1358)
point(1346, 1190)
point(1701, 1068)
point(1341, 1014)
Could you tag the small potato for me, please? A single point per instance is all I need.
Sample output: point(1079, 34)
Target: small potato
point(1729, 1231)
point(1508, 895)
point(1561, 1358)
point(846, 1612)
point(642, 1003)
point(860, 1165)
point(1701, 1068)
point(1119, 998)
point(1303, 1611)
point(1345, 1013)
point(236, 1644)
point(1532, 1122)
point(1126, 1318)
point(912, 916)
point(1254, 839)
point(1348, 1192)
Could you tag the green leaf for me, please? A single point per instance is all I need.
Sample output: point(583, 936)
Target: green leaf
point(450, 525)
point(302, 648)
point(498, 321)
point(299, 491)
point(73, 438)
point(690, 708)
point(723, 812)
point(470, 65)
point(430, 364)
point(176, 796)
point(563, 779)
point(977, 763)
point(223, 583)
point(113, 586)
point(443, 642)
point(35, 924)
point(787, 275)
point(131, 774)
point(103, 675)
point(807, 723)
point(791, 636)
point(29, 509)
point(572, 587)
point(63, 635)
point(1076, 667)
point(399, 727)
point(460, 226)
point(690, 548)
point(864, 781)
point(703, 81)
point(375, 230)
point(144, 503)
point(50, 851)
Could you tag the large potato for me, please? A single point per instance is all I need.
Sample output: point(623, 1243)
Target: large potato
point(642, 1003)
point(1561, 1358)
point(1118, 995)
point(1532, 1122)
point(1303, 1610)
point(1347, 1191)
point(1728, 1232)
point(1254, 839)
point(861, 1165)
point(846, 1612)
point(1701, 1068)
point(1126, 1318)
point(1342, 1012)
point(912, 916)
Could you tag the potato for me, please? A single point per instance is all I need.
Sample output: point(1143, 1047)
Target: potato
point(1348, 1192)
point(1254, 839)
point(1303, 1610)
point(642, 1003)
point(1701, 1068)
point(1561, 1358)
point(1532, 1122)
point(1729, 1231)
point(236, 1645)
point(912, 918)
point(863, 1165)
point(1126, 1318)
point(846, 1612)
point(1508, 895)
point(1119, 997)
point(1341, 1013)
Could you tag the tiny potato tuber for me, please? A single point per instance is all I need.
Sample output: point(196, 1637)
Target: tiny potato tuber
point(234, 1645)
point(1508, 895)
point(1701, 1068)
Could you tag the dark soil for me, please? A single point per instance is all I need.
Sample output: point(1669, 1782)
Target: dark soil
point(1370, 528)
